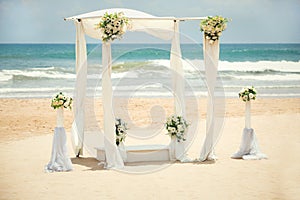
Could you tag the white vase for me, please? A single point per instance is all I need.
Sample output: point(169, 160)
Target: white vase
point(248, 115)
point(60, 117)
point(122, 151)
point(172, 147)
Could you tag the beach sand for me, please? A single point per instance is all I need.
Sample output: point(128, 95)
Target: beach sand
point(26, 129)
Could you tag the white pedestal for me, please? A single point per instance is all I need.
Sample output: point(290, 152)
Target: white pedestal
point(249, 149)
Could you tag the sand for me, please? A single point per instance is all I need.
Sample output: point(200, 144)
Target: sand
point(26, 128)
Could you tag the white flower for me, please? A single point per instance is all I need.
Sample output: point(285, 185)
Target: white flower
point(114, 30)
point(245, 97)
point(61, 102)
point(67, 103)
point(251, 96)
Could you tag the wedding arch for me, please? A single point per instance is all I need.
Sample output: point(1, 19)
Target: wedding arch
point(166, 28)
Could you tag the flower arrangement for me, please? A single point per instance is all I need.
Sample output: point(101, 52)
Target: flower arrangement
point(60, 100)
point(112, 26)
point(248, 93)
point(176, 127)
point(120, 131)
point(213, 27)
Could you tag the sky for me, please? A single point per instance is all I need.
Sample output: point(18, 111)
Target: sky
point(253, 21)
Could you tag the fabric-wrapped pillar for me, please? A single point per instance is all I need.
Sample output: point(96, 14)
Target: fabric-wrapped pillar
point(211, 59)
point(77, 131)
point(113, 157)
point(178, 88)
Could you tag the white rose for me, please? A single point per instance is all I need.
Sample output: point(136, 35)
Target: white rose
point(61, 102)
point(66, 104)
point(245, 97)
point(251, 96)
point(115, 30)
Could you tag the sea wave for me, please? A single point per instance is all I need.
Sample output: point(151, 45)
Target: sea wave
point(268, 77)
point(6, 75)
point(259, 66)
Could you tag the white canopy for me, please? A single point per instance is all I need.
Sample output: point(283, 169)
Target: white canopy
point(166, 28)
point(161, 27)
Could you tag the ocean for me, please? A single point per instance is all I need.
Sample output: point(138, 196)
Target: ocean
point(142, 70)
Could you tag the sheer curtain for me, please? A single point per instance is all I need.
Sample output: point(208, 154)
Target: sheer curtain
point(211, 59)
point(77, 131)
point(113, 156)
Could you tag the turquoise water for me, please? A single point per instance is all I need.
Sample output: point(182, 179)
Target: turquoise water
point(40, 70)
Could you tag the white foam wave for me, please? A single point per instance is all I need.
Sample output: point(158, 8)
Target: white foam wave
point(5, 74)
point(33, 90)
point(120, 75)
point(197, 64)
point(284, 77)
point(281, 66)
point(5, 77)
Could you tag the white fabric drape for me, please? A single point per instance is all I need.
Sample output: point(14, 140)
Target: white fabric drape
point(162, 29)
point(211, 59)
point(249, 149)
point(178, 89)
point(113, 156)
point(139, 21)
point(60, 160)
point(77, 131)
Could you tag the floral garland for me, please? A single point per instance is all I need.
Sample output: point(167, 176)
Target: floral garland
point(112, 26)
point(60, 100)
point(176, 127)
point(213, 27)
point(120, 131)
point(247, 94)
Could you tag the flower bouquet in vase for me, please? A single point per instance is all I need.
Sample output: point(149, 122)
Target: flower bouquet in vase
point(121, 128)
point(60, 160)
point(177, 129)
point(59, 103)
point(247, 95)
